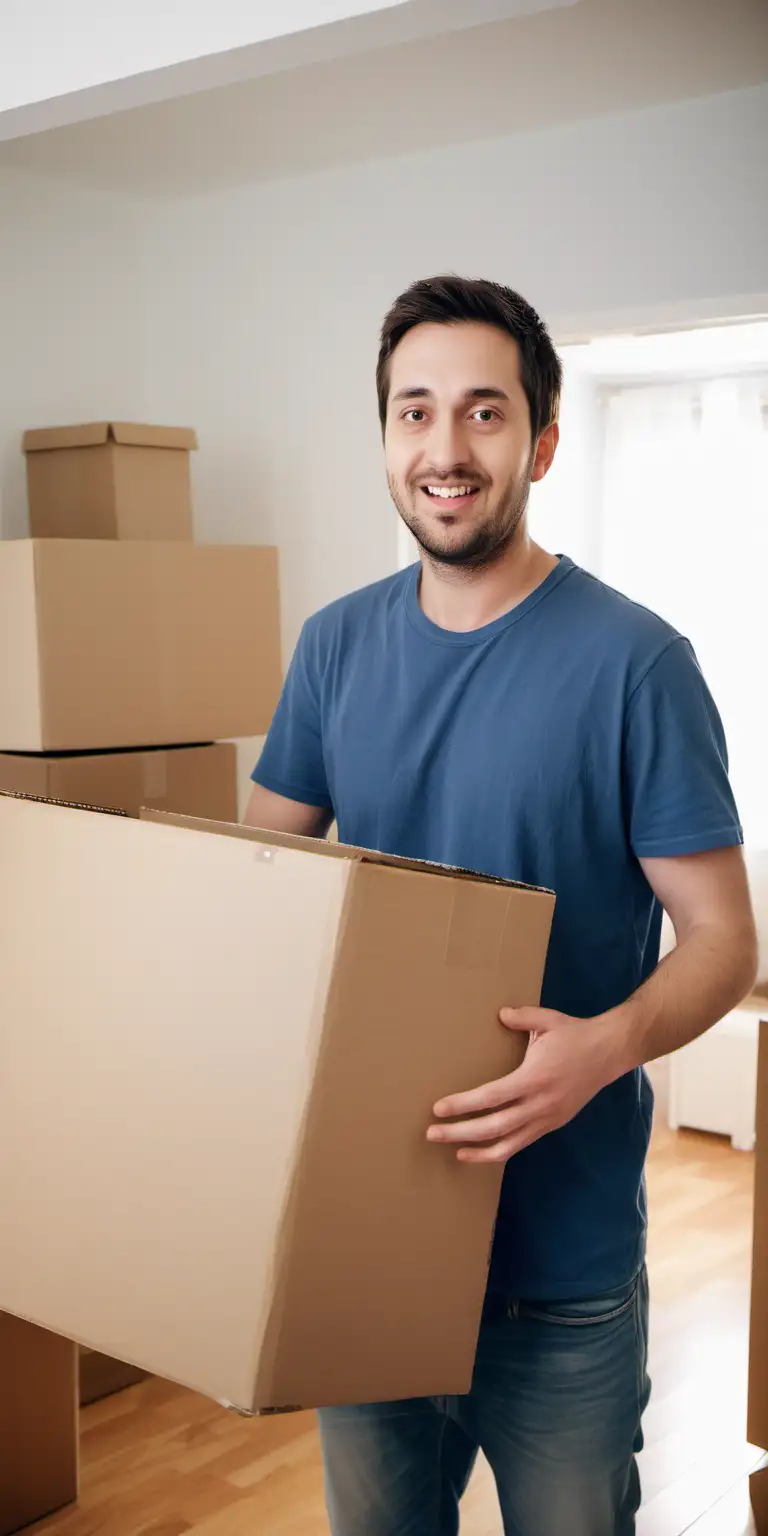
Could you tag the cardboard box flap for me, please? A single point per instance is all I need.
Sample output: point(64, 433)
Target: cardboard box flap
point(140, 436)
point(88, 434)
point(91, 434)
point(332, 850)
point(67, 805)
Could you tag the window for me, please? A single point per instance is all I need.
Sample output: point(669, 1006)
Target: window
point(683, 528)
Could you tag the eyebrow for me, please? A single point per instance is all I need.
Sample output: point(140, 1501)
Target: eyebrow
point(479, 392)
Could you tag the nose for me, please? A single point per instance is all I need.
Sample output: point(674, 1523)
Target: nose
point(447, 447)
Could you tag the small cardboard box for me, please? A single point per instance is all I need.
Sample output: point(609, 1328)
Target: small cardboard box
point(139, 644)
point(266, 1221)
point(38, 1423)
point(109, 480)
point(757, 1412)
point(197, 781)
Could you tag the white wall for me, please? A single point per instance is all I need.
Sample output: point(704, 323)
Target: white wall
point(253, 336)
point(70, 297)
point(264, 303)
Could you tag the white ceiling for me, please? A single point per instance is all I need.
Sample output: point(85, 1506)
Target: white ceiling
point(69, 64)
point(596, 58)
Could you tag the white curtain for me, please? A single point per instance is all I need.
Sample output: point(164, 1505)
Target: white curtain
point(684, 530)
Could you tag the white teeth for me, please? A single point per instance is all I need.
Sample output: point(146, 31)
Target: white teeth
point(449, 491)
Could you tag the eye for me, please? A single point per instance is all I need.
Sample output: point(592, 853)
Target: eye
point(485, 414)
point(415, 414)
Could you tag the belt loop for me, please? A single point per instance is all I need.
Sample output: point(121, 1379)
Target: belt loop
point(513, 1310)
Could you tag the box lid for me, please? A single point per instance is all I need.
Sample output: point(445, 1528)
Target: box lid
point(90, 434)
point(334, 850)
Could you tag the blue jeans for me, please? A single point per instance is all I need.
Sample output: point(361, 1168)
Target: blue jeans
point(556, 1402)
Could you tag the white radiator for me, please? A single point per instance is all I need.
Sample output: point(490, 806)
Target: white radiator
point(713, 1081)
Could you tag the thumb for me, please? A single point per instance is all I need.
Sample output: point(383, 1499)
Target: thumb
point(531, 1020)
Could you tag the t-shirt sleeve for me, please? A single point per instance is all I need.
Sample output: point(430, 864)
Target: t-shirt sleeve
point(678, 796)
point(292, 763)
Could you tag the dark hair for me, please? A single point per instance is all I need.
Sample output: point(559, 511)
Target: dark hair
point(449, 299)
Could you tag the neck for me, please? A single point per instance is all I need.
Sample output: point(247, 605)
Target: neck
point(461, 598)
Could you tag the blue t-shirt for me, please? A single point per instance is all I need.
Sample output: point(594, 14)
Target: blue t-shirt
point(556, 746)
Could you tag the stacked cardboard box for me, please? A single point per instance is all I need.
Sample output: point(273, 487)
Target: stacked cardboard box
point(128, 650)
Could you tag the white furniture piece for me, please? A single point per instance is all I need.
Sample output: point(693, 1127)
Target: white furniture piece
point(713, 1081)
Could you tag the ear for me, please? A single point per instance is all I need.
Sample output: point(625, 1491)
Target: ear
point(545, 451)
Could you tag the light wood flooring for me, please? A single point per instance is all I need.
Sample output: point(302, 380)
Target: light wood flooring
point(161, 1461)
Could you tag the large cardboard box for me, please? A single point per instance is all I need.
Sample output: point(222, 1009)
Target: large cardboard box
point(197, 781)
point(38, 1423)
point(105, 644)
point(109, 480)
point(221, 1050)
point(757, 1414)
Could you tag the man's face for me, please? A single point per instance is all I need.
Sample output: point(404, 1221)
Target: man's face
point(457, 441)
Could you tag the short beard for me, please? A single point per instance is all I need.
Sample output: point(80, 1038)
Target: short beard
point(485, 545)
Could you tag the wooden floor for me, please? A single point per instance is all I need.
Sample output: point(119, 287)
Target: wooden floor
point(160, 1461)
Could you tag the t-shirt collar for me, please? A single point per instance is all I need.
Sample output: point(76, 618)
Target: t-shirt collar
point(433, 632)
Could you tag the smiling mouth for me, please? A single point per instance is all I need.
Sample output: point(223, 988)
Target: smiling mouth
point(449, 495)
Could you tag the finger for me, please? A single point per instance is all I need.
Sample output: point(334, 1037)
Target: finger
point(484, 1128)
point(532, 1020)
point(491, 1096)
point(499, 1151)
point(510, 1122)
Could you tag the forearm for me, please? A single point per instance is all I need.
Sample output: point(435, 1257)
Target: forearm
point(709, 972)
point(569, 1060)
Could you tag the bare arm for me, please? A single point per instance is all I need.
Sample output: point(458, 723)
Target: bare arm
point(713, 967)
point(274, 813)
point(570, 1060)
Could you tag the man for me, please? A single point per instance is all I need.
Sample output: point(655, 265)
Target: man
point(498, 708)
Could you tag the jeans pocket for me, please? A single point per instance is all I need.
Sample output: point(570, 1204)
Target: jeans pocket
point(587, 1313)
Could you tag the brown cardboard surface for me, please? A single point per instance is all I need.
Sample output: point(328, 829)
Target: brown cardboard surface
point(38, 1423)
point(109, 480)
point(101, 1376)
point(330, 849)
point(89, 433)
point(757, 1411)
point(110, 644)
point(758, 1495)
point(407, 1325)
point(269, 1224)
point(198, 781)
